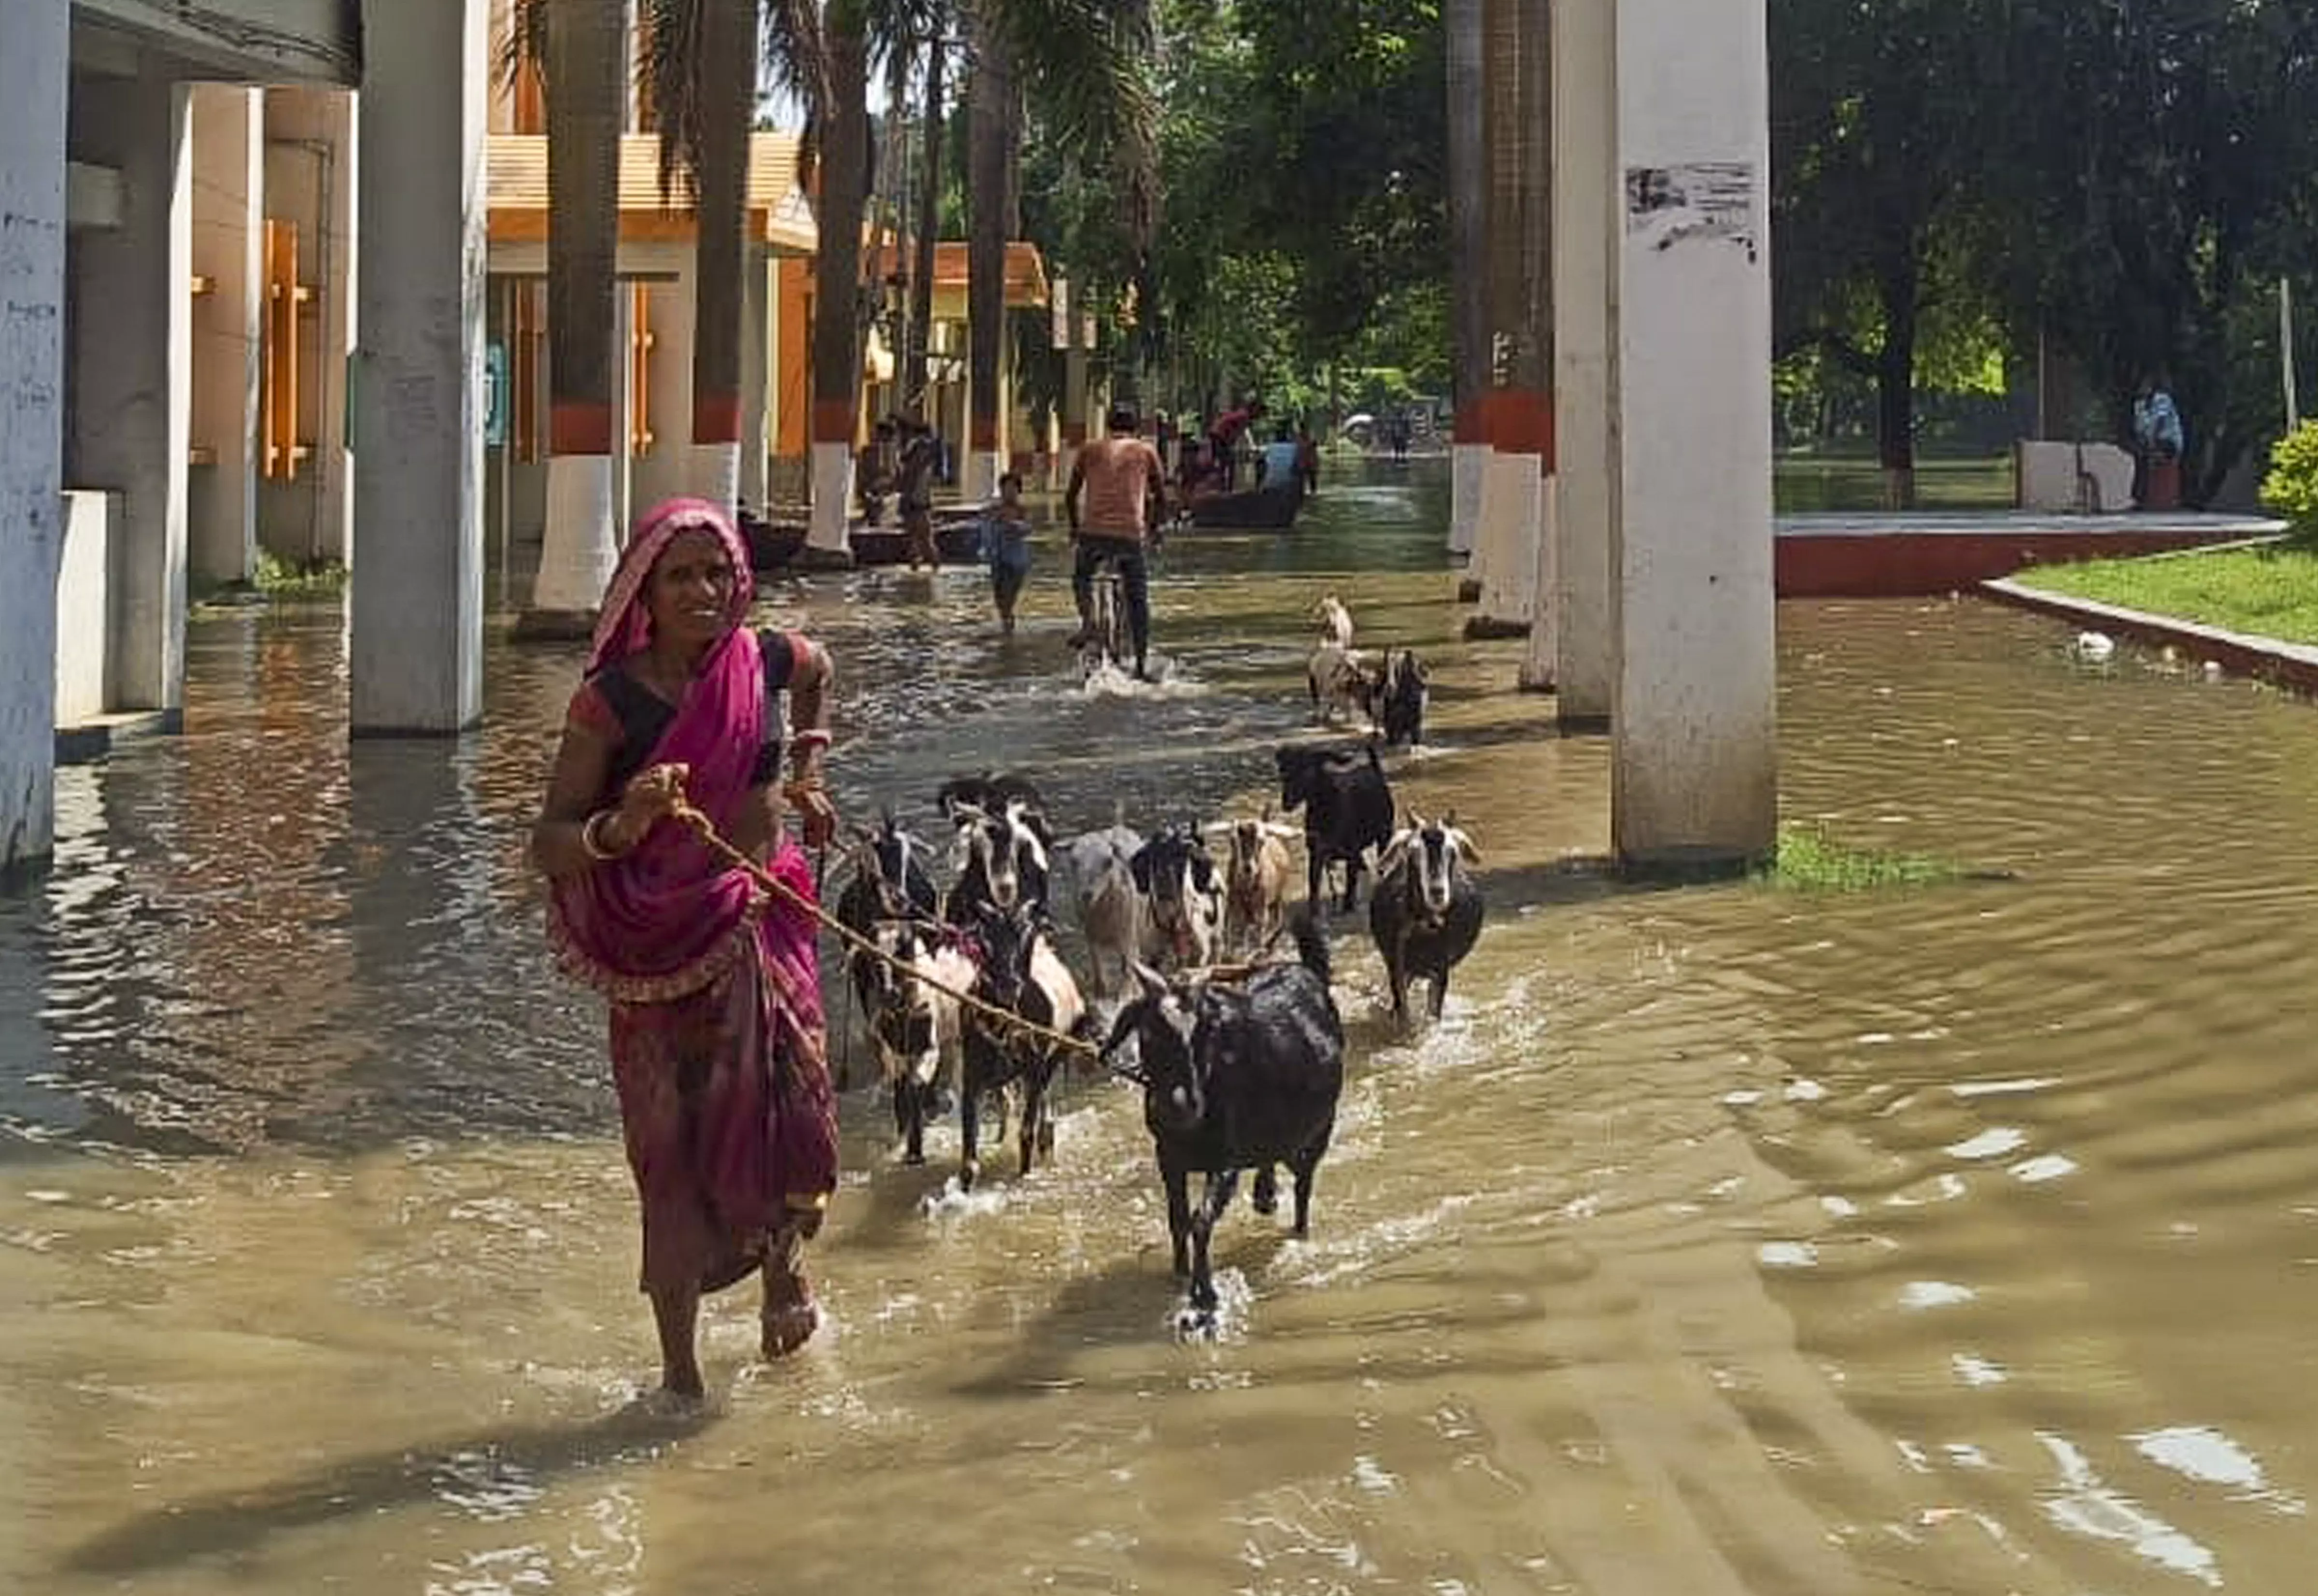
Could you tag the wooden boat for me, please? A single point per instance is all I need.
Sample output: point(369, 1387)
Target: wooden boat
point(1249, 509)
point(776, 546)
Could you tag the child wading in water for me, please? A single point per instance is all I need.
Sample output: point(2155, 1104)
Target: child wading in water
point(1006, 548)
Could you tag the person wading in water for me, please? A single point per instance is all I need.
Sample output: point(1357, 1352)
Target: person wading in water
point(717, 1043)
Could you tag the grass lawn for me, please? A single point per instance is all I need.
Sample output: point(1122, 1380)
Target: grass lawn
point(1801, 483)
point(2269, 592)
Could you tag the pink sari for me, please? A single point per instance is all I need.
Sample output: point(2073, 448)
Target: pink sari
point(716, 1031)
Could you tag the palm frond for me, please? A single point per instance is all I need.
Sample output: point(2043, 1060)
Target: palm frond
point(669, 74)
point(525, 44)
point(796, 60)
point(1086, 65)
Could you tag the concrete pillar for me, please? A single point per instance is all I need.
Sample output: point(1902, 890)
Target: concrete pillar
point(1074, 403)
point(1695, 766)
point(1576, 654)
point(416, 653)
point(666, 469)
point(229, 161)
point(756, 378)
point(33, 73)
point(132, 370)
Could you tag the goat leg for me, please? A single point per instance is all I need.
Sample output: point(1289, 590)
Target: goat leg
point(1306, 1167)
point(1440, 990)
point(1217, 1197)
point(1034, 1130)
point(1265, 1197)
point(969, 1132)
point(1177, 1180)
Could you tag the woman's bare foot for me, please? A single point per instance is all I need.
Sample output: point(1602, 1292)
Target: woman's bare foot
point(790, 1315)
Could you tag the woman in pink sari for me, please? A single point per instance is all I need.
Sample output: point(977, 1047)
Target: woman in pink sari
point(717, 1034)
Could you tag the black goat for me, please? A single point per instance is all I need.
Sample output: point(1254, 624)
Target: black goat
point(1236, 1078)
point(1426, 913)
point(1347, 810)
point(1020, 973)
point(1406, 691)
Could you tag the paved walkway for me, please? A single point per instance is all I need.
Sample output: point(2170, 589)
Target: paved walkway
point(2007, 522)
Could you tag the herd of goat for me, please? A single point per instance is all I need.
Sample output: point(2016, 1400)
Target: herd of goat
point(1239, 1053)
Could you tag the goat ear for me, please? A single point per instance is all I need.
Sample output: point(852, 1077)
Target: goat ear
point(1122, 1027)
point(964, 813)
point(1154, 985)
point(1219, 828)
point(1139, 867)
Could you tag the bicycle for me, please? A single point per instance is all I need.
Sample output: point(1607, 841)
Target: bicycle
point(1107, 642)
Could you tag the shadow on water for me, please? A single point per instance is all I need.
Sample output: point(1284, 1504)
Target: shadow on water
point(525, 1458)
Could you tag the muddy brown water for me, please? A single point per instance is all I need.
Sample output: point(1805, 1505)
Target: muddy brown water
point(1719, 1240)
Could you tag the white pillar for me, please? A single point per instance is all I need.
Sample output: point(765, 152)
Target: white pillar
point(34, 69)
point(229, 161)
point(417, 654)
point(1469, 468)
point(1578, 652)
point(1695, 766)
point(1504, 543)
point(756, 379)
point(133, 370)
point(669, 468)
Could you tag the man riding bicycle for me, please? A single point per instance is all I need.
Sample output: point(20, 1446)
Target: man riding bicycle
point(1125, 488)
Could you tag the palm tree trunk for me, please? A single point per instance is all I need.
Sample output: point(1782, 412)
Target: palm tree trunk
point(587, 95)
point(1468, 269)
point(720, 248)
point(1520, 419)
point(928, 227)
point(990, 121)
point(837, 278)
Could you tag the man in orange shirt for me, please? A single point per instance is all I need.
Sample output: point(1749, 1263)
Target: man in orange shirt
point(1125, 490)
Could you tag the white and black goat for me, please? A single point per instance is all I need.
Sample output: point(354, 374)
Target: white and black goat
point(1183, 904)
point(1404, 697)
point(890, 881)
point(1018, 971)
point(1426, 913)
point(1099, 866)
point(916, 1023)
point(1342, 679)
point(999, 858)
point(1257, 869)
point(1236, 1078)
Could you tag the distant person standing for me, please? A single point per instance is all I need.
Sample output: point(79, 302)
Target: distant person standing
point(2157, 447)
point(914, 478)
point(1224, 436)
point(1006, 548)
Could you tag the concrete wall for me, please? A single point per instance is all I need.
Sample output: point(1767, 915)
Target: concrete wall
point(312, 180)
point(84, 608)
point(131, 367)
point(32, 145)
point(229, 251)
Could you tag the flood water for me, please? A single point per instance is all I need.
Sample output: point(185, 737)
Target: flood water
point(1719, 1240)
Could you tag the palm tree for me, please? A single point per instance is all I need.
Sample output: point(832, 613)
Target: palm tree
point(1084, 64)
point(1519, 128)
point(844, 189)
point(928, 230)
point(580, 44)
point(994, 137)
point(1468, 275)
point(700, 74)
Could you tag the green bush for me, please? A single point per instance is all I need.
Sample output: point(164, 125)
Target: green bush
point(2290, 491)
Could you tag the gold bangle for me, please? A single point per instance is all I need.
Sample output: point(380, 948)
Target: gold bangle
point(598, 848)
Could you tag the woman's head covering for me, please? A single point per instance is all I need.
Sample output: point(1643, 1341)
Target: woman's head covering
point(624, 625)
